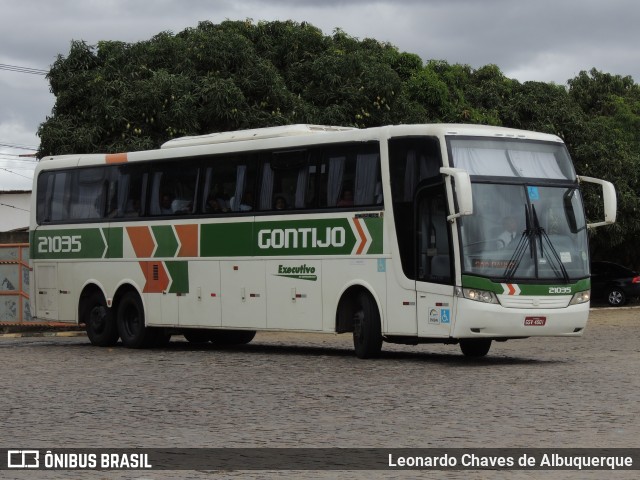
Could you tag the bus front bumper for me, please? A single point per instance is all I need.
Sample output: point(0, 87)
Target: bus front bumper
point(477, 320)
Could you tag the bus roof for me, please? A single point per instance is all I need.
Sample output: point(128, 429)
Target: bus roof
point(286, 136)
point(254, 134)
point(304, 130)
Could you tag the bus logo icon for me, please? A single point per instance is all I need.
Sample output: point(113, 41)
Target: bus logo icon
point(23, 459)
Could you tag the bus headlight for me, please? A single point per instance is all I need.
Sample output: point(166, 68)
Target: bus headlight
point(483, 296)
point(581, 297)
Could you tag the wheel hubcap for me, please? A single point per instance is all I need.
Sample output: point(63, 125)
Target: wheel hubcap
point(615, 298)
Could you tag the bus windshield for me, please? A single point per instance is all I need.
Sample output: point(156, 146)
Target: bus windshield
point(527, 227)
point(525, 232)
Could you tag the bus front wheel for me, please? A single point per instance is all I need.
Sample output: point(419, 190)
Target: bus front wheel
point(472, 347)
point(367, 331)
point(99, 322)
point(133, 332)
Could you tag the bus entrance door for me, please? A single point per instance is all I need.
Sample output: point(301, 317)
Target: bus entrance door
point(433, 272)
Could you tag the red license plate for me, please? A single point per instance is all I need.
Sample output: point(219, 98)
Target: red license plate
point(535, 321)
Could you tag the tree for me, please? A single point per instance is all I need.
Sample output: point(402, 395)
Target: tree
point(608, 146)
point(117, 96)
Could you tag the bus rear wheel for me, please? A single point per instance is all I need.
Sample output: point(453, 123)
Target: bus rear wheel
point(99, 322)
point(475, 347)
point(131, 322)
point(367, 330)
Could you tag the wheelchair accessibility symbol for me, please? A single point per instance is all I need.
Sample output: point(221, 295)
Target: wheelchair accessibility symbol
point(445, 316)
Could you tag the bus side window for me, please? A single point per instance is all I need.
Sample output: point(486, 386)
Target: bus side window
point(285, 180)
point(350, 176)
point(235, 202)
point(228, 184)
point(45, 193)
point(129, 191)
point(173, 190)
point(88, 193)
point(335, 167)
point(242, 200)
point(412, 160)
point(367, 187)
point(214, 196)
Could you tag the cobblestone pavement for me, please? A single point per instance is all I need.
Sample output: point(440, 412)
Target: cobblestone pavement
point(288, 390)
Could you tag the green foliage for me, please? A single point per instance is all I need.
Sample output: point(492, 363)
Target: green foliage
point(118, 96)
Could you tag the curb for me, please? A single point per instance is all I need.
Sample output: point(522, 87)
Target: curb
point(42, 334)
point(630, 307)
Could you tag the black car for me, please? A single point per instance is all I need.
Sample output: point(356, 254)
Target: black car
point(613, 283)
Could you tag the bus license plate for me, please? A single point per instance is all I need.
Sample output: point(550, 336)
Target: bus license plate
point(535, 321)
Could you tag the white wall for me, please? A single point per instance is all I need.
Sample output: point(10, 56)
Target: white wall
point(14, 210)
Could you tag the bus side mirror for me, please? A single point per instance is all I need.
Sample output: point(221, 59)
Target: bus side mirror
point(609, 198)
point(464, 197)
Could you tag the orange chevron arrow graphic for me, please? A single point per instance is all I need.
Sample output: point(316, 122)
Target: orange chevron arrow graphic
point(156, 276)
point(363, 237)
point(142, 241)
point(188, 236)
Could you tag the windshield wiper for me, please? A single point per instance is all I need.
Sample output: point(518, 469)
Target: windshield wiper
point(528, 238)
point(554, 260)
point(518, 254)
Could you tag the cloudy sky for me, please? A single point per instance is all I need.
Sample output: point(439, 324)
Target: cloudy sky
point(544, 40)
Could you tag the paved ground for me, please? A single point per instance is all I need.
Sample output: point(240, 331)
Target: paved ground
point(286, 390)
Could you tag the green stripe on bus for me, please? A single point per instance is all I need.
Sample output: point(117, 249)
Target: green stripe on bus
point(226, 239)
point(469, 281)
point(304, 237)
point(166, 240)
point(375, 225)
point(69, 243)
point(114, 241)
point(334, 236)
point(179, 273)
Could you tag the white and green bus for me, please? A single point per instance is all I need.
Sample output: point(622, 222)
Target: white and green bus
point(406, 234)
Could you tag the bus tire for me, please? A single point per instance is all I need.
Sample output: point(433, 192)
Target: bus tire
point(131, 322)
point(475, 347)
point(98, 319)
point(232, 337)
point(367, 330)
